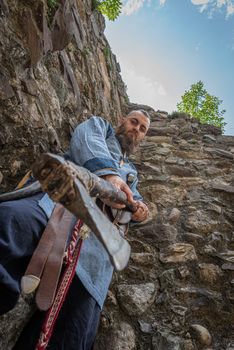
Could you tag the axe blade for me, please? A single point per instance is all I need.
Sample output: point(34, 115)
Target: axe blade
point(76, 199)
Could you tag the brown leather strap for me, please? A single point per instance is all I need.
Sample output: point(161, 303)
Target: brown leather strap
point(50, 277)
point(36, 265)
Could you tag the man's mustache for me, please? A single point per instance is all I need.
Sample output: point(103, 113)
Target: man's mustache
point(128, 140)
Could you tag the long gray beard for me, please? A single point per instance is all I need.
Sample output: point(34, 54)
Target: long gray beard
point(128, 145)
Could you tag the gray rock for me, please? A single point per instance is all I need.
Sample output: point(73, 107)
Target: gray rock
point(179, 309)
point(222, 188)
point(171, 160)
point(223, 153)
point(201, 334)
point(193, 238)
point(178, 253)
point(200, 222)
point(159, 139)
point(215, 208)
point(162, 234)
point(121, 336)
point(209, 272)
point(11, 324)
point(163, 131)
point(174, 215)
point(143, 259)
point(209, 138)
point(163, 151)
point(181, 171)
point(183, 271)
point(136, 299)
point(145, 327)
point(167, 279)
point(227, 256)
point(190, 292)
point(188, 345)
point(228, 267)
point(164, 340)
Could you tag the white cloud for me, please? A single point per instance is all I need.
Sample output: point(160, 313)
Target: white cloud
point(220, 3)
point(200, 2)
point(131, 6)
point(141, 89)
point(230, 9)
point(214, 5)
point(203, 8)
point(211, 6)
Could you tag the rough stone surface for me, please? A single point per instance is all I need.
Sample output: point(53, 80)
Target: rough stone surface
point(53, 75)
point(209, 273)
point(201, 334)
point(174, 215)
point(136, 299)
point(178, 253)
point(163, 340)
point(120, 337)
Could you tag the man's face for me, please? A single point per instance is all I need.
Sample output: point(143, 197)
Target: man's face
point(132, 130)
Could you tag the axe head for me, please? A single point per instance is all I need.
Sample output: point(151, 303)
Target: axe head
point(58, 179)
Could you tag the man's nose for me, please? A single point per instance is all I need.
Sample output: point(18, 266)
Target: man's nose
point(137, 128)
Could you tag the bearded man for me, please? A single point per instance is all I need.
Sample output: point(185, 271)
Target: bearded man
point(104, 151)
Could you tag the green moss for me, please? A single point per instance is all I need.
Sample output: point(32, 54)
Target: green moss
point(107, 52)
point(52, 3)
point(52, 7)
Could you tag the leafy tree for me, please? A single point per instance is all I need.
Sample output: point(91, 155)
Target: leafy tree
point(109, 8)
point(201, 105)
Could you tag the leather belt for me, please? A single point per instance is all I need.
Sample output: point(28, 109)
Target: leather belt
point(45, 265)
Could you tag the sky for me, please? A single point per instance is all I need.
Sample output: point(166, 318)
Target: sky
point(165, 46)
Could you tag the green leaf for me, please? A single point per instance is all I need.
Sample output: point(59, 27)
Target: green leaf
point(110, 8)
point(198, 103)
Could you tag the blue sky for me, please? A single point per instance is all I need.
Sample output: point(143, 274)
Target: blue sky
point(164, 46)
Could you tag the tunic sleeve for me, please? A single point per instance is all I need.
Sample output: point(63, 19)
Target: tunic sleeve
point(88, 147)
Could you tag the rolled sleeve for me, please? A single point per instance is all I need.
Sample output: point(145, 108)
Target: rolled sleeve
point(88, 147)
point(101, 165)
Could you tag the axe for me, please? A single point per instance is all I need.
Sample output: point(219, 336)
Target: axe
point(74, 186)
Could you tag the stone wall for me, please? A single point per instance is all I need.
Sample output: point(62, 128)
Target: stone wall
point(53, 74)
point(177, 292)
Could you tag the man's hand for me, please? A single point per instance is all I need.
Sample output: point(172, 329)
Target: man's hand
point(141, 213)
point(122, 186)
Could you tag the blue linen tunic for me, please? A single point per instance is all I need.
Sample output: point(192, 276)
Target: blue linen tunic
point(95, 147)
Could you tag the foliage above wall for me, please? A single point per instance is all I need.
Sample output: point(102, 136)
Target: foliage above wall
point(200, 104)
point(109, 8)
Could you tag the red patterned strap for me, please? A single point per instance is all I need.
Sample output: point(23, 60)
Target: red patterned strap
point(73, 253)
point(45, 294)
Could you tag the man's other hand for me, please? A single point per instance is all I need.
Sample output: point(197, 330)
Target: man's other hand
point(141, 213)
point(122, 186)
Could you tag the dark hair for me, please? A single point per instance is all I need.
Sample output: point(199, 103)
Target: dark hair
point(142, 111)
